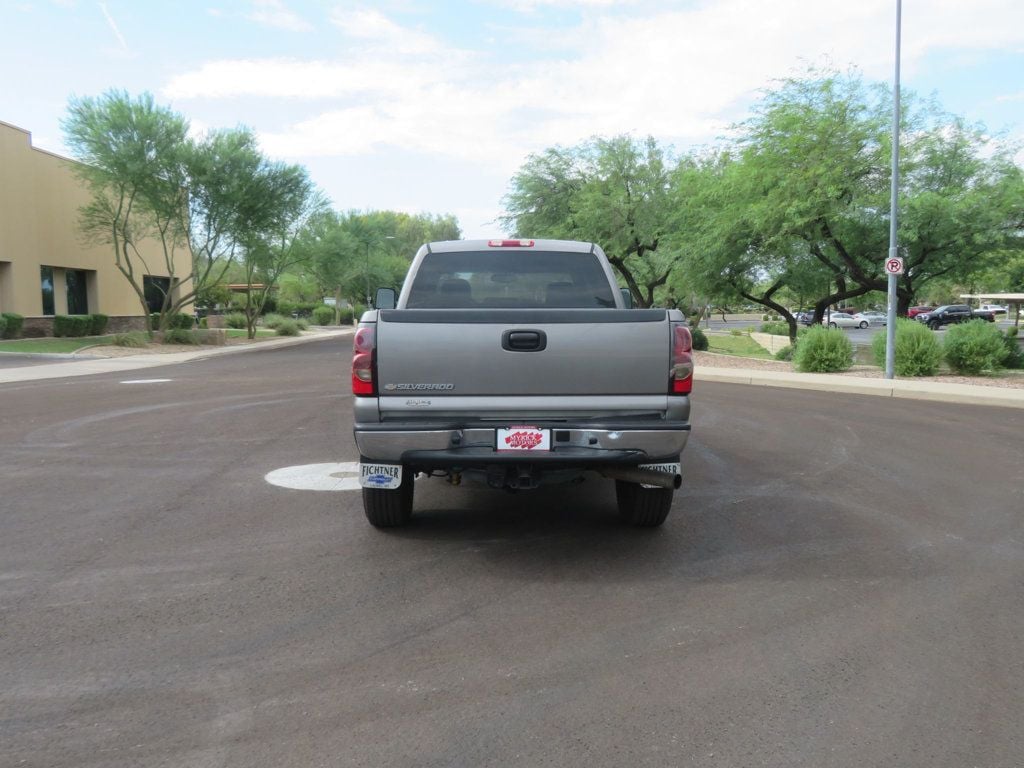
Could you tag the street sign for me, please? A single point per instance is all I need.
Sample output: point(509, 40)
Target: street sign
point(894, 266)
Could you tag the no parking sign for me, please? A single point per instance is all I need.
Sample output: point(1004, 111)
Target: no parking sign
point(894, 265)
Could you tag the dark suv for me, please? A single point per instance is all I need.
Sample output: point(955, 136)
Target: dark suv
point(953, 313)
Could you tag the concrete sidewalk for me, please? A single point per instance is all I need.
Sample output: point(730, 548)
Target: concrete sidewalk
point(905, 388)
point(86, 366)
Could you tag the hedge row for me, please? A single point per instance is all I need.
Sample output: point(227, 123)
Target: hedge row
point(177, 320)
point(80, 325)
point(10, 325)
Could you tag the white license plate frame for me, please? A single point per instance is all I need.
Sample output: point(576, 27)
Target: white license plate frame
point(522, 438)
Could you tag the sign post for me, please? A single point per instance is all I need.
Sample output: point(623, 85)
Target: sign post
point(894, 264)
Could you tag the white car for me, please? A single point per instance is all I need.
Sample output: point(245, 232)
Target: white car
point(873, 318)
point(996, 308)
point(843, 320)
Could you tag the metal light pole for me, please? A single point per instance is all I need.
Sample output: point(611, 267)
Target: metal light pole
point(890, 323)
point(366, 274)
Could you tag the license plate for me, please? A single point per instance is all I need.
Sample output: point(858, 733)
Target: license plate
point(387, 476)
point(669, 469)
point(523, 438)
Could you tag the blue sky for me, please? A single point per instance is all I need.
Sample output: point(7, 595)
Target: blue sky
point(432, 106)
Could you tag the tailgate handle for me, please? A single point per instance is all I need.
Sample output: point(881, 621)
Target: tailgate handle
point(524, 341)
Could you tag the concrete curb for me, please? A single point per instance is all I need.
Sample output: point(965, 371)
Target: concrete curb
point(914, 390)
point(88, 366)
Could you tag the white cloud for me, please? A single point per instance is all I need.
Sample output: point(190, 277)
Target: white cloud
point(375, 28)
point(274, 13)
point(682, 75)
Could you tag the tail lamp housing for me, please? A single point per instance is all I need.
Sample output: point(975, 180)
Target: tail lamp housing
point(364, 360)
point(681, 373)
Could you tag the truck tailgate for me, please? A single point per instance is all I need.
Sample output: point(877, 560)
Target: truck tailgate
point(466, 352)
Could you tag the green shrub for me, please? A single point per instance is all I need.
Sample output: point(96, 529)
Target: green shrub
point(300, 308)
point(180, 336)
point(71, 325)
point(735, 332)
point(135, 339)
point(303, 324)
point(181, 321)
point(288, 328)
point(786, 353)
point(323, 315)
point(917, 352)
point(766, 318)
point(700, 340)
point(776, 328)
point(823, 350)
point(1014, 354)
point(273, 321)
point(204, 323)
point(235, 320)
point(98, 324)
point(13, 323)
point(3, 326)
point(975, 347)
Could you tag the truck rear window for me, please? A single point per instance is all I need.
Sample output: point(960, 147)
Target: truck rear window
point(510, 279)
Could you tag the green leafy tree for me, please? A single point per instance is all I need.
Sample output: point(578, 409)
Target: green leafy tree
point(797, 204)
point(133, 159)
point(610, 191)
point(285, 203)
point(167, 203)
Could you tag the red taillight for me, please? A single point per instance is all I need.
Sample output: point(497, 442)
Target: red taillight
point(510, 243)
point(681, 375)
point(363, 361)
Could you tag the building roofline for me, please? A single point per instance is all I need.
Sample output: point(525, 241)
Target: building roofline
point(28, 135)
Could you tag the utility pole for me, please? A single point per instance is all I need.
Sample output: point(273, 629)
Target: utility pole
point(894, 251)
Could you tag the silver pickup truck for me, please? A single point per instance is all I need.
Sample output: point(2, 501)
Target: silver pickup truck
point(518, 363)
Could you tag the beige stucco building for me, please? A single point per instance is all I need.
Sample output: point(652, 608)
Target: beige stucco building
point(46, 268)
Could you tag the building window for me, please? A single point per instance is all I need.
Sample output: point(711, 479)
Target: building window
point(155, 289)
point(46, 280)
point(78, 303)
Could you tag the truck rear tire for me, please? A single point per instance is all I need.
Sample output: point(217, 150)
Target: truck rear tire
point(643, 507)
point(389, 509)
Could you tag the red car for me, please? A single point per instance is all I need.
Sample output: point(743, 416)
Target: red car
point(915, 311)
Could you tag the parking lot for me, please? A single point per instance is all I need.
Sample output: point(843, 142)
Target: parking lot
point(839, 584)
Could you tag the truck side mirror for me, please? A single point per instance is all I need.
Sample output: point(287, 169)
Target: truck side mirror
point(627, 298)
point(385, 299)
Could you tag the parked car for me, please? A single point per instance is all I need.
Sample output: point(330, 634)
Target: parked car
point(950, 314)
point(915, 311)
point(805, 316)
point(995, 308)
point(843, 320)
point(874, 318)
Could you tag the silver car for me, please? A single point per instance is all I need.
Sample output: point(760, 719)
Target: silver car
point(873, 318)
point(844, 320)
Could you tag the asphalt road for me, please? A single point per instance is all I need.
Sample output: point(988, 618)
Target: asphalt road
point(839, 584)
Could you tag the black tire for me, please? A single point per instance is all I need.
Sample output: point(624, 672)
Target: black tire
point(643, 507)
point(389, 509)
point(863, 324)
point(934, 326)
point(832, 325)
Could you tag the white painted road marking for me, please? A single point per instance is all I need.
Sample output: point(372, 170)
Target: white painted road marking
point(146, 381)
point(317, 477)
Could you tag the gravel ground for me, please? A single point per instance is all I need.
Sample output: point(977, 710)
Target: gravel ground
point(1010, 379)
